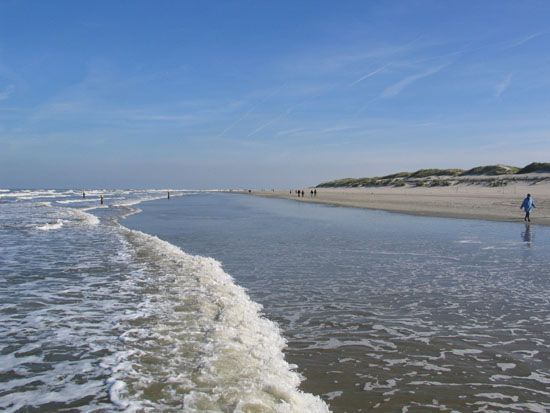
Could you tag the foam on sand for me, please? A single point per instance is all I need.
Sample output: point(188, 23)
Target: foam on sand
point(212, 348)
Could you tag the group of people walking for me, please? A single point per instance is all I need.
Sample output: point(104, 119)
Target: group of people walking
point(301, 193)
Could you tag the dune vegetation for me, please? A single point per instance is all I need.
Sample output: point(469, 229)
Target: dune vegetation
point(535, 167)
point(491, 175)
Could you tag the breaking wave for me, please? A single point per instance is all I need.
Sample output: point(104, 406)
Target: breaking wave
point(51, 225)
point(201, 342)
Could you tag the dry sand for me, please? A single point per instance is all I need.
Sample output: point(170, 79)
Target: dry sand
point(458, 201)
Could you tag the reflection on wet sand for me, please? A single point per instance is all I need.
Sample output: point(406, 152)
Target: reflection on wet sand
point(527, 235)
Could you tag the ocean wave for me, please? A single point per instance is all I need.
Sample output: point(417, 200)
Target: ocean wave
point(132, 202)
point(84, 216)
point(30, 194)
point(51, 225)
point(203, 344)
point(76, 201)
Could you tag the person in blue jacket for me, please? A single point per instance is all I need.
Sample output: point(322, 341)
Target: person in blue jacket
point(527, 205)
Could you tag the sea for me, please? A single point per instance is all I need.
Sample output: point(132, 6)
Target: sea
point(225, 302)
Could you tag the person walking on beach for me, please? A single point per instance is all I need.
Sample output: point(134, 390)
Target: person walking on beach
point(527, 205)
point(101, 199)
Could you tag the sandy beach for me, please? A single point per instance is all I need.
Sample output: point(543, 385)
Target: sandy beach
point(458, 201)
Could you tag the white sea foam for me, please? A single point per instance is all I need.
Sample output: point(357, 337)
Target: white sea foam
point(30, 194)
point(85, 217)
point(497, 396)
point(390, 383)
point(465, 352)
point(333, 394)
point(541, 378)
point(218, 350)
point(506, 366)
point(76, 201)
point(117, 391)
point(131, 202)
point(507, 407)
point(51, 225)
point(334, 343)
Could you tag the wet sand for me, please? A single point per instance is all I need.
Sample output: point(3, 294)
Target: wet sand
point(459, 201)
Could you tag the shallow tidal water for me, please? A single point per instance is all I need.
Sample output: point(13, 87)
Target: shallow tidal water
point(385, 312)
point(233, 303)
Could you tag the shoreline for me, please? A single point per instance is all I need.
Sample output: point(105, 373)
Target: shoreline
point(460, 202)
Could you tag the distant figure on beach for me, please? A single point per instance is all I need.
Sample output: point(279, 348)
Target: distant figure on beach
point(83, 195)
point(527, 205)
point(101, 199)
point(291, 192)
point(168, 194)
point(311, 193)
point(303, 193)
point(250, 191)
point(314, 192)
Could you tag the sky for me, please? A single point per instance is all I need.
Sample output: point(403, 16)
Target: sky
point(267, 94)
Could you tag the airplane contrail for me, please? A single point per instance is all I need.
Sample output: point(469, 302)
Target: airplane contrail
point(265, 125)
point(368, 75)
point(231, 126)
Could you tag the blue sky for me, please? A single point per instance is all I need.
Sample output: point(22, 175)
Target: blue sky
point(267, 94)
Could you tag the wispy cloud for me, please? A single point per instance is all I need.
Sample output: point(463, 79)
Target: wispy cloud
point(524, 39)
point(370, 74)
point(335, 60)
point(237, 121)
point(275, 119)
point(398, 87)
point(501, 86)
point(252, 109)
point(6, 93)
point(290, 132)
